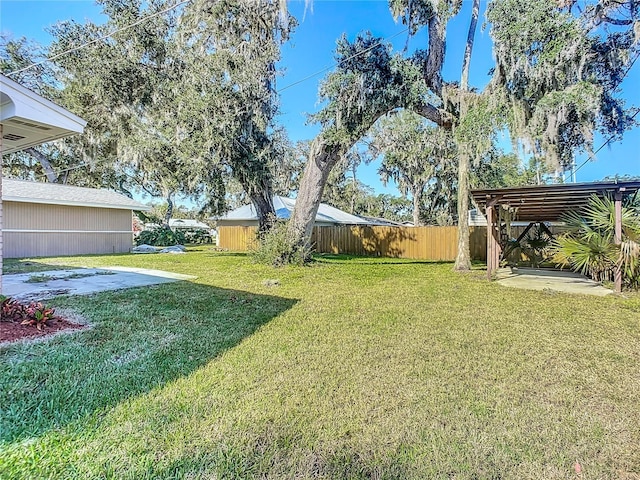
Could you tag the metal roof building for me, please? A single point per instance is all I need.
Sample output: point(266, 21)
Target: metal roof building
point(47, 219)
point(283, 206)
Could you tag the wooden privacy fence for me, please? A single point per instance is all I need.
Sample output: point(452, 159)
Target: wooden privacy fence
point(420, 243)
point(429, 243)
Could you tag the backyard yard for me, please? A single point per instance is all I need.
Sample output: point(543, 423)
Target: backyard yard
point(348, 368)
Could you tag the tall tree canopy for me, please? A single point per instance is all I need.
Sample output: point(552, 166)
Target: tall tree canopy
point(233, 47)
point(555, 78)
point(178, 100)
point(414, 155)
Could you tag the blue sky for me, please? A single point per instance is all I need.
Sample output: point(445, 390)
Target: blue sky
point(311, 49)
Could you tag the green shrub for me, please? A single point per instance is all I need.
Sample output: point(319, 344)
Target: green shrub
point(161, 236)
point(197, 235)
point(274, 248)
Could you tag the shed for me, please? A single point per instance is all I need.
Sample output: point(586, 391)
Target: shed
point(46, 219)
point(327, 215)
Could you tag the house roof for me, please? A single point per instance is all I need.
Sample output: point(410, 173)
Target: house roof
point(381, 222)
point(550, 202)
point(29, 119)
point(56, 194)
point(284, 206)
point(187, 223)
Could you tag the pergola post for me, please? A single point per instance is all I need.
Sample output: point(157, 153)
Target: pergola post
point(489, 241)
point(493, 245)
point(618, 238)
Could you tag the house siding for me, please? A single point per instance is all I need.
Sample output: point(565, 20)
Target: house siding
point(36, 230)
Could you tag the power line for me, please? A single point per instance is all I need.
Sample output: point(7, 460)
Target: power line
point(297, 82)
point(104, 37)
point(591, 156)
point(355, 55)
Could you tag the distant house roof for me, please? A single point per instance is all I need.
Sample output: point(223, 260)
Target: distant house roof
point(383, 222)
point(187, 223)
point(56, 194)
point(284, 207)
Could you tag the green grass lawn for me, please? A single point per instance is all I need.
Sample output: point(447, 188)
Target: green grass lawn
point(349, 368)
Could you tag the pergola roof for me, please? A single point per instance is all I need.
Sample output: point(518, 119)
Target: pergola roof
point(550, 202)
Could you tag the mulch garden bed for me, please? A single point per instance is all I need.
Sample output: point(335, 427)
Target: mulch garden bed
point(13, 331)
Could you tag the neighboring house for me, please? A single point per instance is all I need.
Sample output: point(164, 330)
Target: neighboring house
point(327, 215)
point(477, 219)
point(45, 219)
point(188, 224)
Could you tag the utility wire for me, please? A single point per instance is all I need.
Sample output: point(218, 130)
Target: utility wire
point(297, 82)
point(592, 156)
point(355, 55)
point(104, 37)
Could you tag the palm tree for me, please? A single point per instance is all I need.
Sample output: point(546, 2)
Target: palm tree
point(588, 245)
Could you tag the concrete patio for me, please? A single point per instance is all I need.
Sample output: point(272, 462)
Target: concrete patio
point(83, 281)
point(549, 279)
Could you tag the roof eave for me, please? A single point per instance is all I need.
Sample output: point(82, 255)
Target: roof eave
point(69, 203)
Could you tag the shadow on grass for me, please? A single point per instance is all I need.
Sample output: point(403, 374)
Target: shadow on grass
point(140, 340)
point(29, 265)
point(227, 254)
point(338, 258)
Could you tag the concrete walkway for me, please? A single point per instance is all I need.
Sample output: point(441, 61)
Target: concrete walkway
point(82, 281)
point(548, 279)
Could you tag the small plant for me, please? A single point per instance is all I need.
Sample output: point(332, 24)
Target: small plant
point(274, 248)
point(10, 310)
point(37, 315)
point(161, 236)
point(34, 313)
point(588, 246)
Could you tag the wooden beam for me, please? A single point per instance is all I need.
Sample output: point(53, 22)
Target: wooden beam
point(489, 242)
point(493, 245)
point(508, 250)
point(618, 238)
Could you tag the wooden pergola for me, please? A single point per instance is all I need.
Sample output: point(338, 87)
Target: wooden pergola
point(547, 203)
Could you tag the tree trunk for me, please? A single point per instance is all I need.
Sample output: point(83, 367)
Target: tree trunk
point(435, 59)
point(415, 197)
point(463, 259)
point(167, 216)
point(263, 203)
point(52, 176)
point(322, 158)
point(354, 184)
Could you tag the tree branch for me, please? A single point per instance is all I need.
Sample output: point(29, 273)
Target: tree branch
point(434, 114)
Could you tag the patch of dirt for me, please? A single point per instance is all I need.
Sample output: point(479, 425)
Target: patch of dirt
point(11, 332)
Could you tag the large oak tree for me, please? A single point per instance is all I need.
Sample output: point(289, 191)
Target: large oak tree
point(555, 79)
